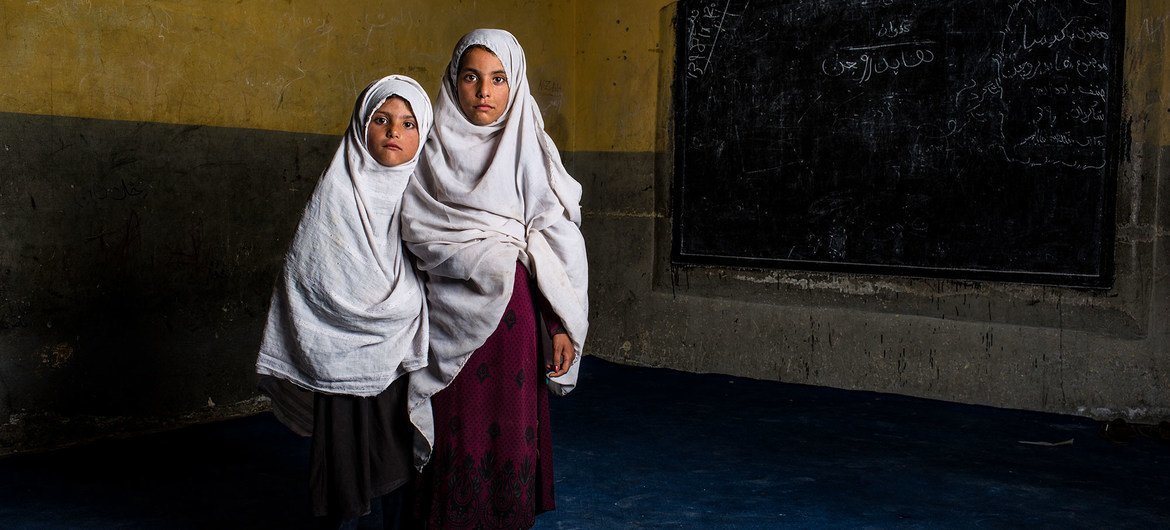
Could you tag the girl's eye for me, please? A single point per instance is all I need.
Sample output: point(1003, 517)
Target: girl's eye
point(380, 120)
point(499, 80)
point(408, 125)
point(470, 78)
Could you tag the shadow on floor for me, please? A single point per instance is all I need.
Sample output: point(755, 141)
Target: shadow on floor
point(654, 448)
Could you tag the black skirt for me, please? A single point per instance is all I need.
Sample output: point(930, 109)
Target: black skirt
point(361, 447)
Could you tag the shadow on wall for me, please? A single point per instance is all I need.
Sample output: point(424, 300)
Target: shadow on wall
point(136, 261)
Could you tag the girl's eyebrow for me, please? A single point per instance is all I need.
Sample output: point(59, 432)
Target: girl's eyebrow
point(388, 115)
point(477, 72)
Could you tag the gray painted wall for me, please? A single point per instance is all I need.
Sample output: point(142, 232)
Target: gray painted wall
point(136, 262)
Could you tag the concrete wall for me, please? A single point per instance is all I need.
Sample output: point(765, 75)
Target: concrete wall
point(155, 157)
point(1100, 354)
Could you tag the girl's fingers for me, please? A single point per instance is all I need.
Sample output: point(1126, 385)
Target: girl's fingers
point(563, 355)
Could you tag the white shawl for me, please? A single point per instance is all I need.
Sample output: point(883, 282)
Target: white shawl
point(484, 197)
point(348, 314)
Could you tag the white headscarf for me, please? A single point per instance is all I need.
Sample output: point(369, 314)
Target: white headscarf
point(348, 314)
point(484, 197)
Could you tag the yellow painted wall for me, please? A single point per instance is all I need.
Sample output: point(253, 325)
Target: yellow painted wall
point(290, 65)
point(1148, 75)
point(618, 52)
point(296, 65)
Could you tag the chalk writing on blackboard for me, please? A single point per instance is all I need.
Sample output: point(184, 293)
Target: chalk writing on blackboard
point(958, 138)
point(1062, 70)
point(864, 62)
point(705, 24)
point(891, 29)
point(121, 191)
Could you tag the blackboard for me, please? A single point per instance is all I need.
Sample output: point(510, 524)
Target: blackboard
point(973, 139)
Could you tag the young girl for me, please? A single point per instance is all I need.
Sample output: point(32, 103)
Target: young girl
point(348, 316)
point(493, 218)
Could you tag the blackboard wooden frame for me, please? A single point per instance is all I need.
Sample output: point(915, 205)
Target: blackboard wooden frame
point(1095, 266)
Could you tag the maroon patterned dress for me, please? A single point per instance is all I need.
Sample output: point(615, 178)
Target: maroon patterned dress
point(492, 461)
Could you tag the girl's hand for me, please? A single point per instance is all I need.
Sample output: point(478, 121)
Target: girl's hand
point(563, 355)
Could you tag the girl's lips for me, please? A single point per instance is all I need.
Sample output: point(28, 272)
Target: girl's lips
point(393, 146)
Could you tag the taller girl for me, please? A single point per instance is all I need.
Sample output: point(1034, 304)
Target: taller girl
point(493, 218)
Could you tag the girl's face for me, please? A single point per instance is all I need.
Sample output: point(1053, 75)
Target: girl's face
point(392, 136)
point(482, 85)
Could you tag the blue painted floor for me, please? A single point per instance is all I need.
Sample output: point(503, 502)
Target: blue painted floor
point(653, 448)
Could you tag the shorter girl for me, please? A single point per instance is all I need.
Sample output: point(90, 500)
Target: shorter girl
point(348, 317)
